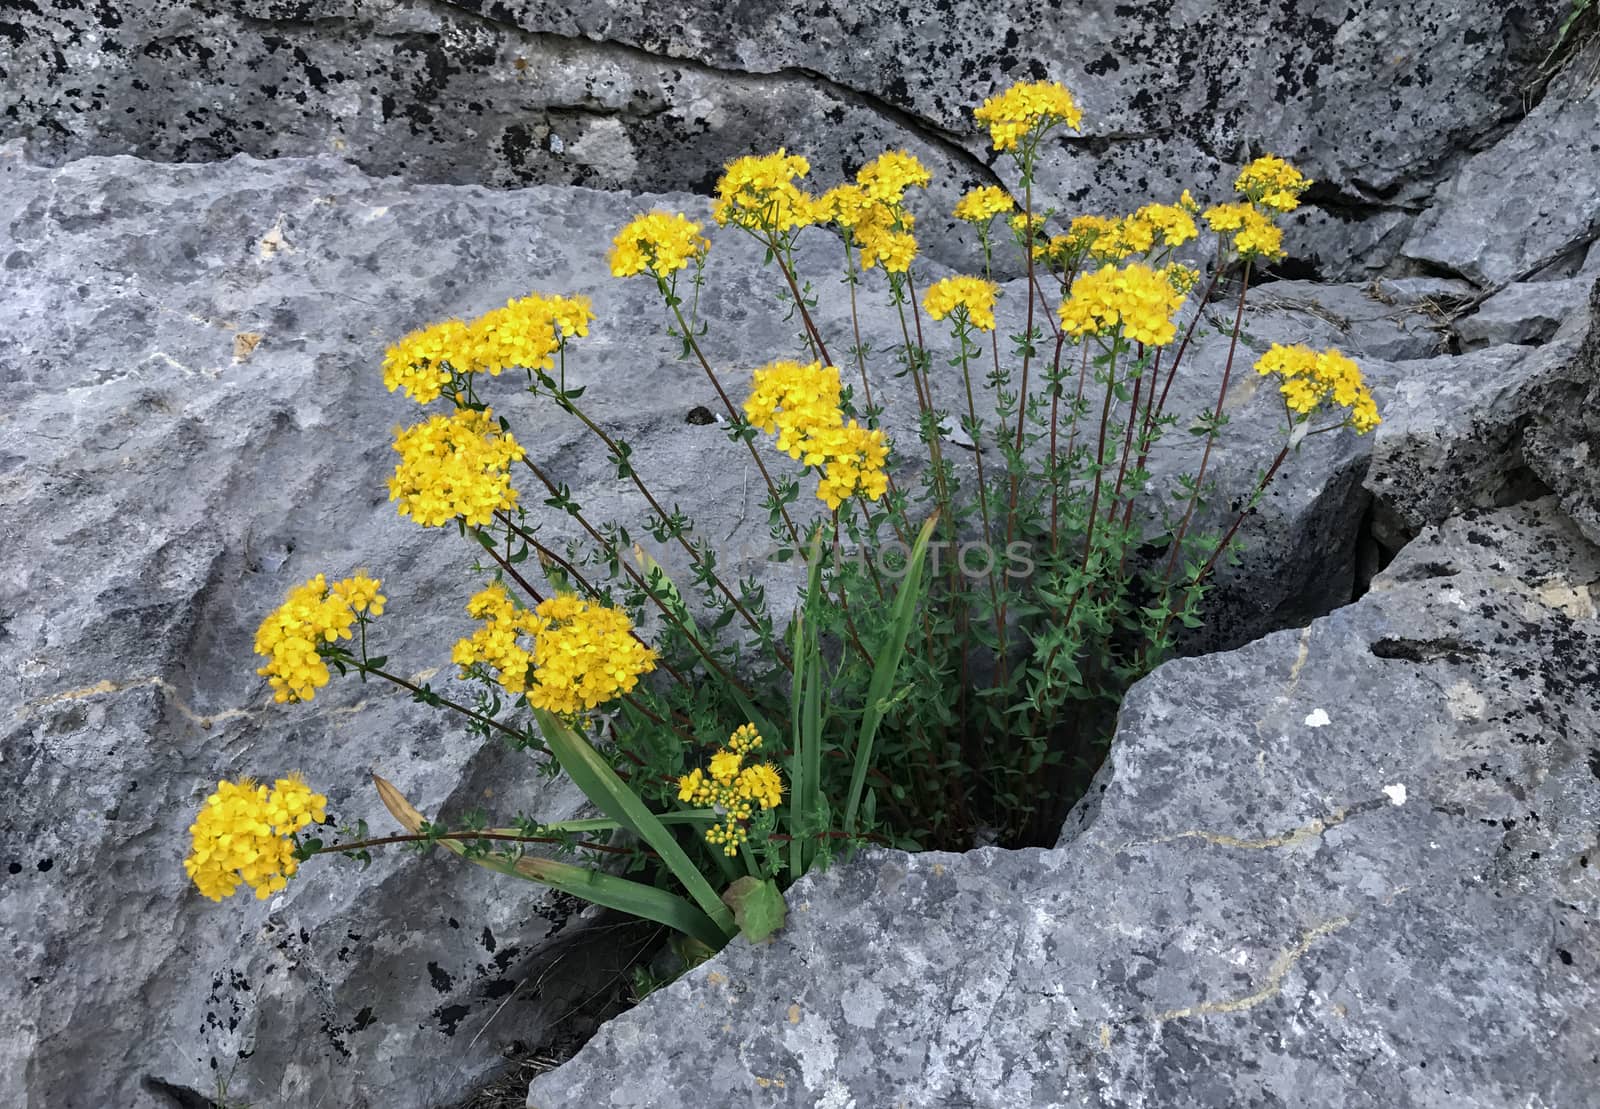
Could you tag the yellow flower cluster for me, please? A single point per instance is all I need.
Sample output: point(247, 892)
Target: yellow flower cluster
point(1016, 113)
point(801, 404)
point(659, 242)
point(983, 204)
point(972, 295)
point(853, 462)
point(733, 788)
point(455, 466)
point(1272, 181)
point(312, 614)
point(1270, 186)
point(758, 193)
point(1254, 233)
point(242, 835)
point(496, 643)
point(1308, 379)
point(886, 178)
point(1110, 239)
point(1135, 298)
point(872, 210)
point(525, 334)
point(584, 654)
point(792, 400)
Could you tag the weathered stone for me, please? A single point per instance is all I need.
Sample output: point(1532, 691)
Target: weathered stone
point(1439, 291)
point(1374, 99)
point(1526, 313)
point(1487, 428)
point(1562, 443)
point(1528, 199)
point(197, 424)
point(1318, 870)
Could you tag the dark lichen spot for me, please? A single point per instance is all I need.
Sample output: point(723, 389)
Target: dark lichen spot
point(450, 1018)
point(441, 979)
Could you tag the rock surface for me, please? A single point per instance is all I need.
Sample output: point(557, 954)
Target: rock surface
point(1491, 427)
point(196, 425)
point(1354, 864)
point(1377, 100)
point(1527, 200)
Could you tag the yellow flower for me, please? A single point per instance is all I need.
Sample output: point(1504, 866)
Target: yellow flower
point(983, 204)
point(525, 334)
point(1308, 380)
point(886, 178)
point(1025, 107)
point(734, 789)
point(760, 783)
point(456, 466)
point(1135, 298)
point(496, 644)
point(241, 834)
point(585, 655)
point(291, 805)
point(361, 593)
point(744, 739)
point(1254, 234)
point(848, 206)
point(694, 789)
point(853, 459)
point(1174, 222)
point(896, 249)
point(311, 614)
point(794, 400)
point(725, 766)
point(420, 363)
point(658, 242)
point(970, 295)
point(758, 193)
point(1273, 182)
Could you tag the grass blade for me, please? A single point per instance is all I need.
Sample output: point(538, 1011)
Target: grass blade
point(626, 896)
point(611, 795)
point(883, 673)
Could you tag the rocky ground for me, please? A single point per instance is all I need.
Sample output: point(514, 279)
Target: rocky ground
point(1346, 863)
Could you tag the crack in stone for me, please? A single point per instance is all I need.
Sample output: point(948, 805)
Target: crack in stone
point(107, 687)
point(1292, 838)
point(920, 128)
point(1281, 966)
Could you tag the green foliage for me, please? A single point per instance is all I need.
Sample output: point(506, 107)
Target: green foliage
point(910, 696)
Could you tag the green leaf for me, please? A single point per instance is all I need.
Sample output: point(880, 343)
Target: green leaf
point(757, 906)
point(901, 617)
point(634, 898)
point(611, 795)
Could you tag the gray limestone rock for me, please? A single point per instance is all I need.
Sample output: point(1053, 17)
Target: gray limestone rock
point(1526, 313)
point(1487, 428)
point(1376, 100)
point(1526, 200)
point(197, 423)
point(1562, 443)
point(1350, 865)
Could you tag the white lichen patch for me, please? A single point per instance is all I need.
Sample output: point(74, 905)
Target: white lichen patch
point(1396, 794)
point(862, 1004)
point(1464, 702)
point(605, 145)
point(1318, 719)
point(1560, 595)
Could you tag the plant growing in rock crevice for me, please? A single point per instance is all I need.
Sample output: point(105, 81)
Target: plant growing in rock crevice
point(947, 670)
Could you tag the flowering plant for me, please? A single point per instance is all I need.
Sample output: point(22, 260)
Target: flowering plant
point(729, 753)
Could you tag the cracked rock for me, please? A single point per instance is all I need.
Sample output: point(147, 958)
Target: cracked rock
point(1316, 870)
point(1528, 199)
point(1376, 101)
